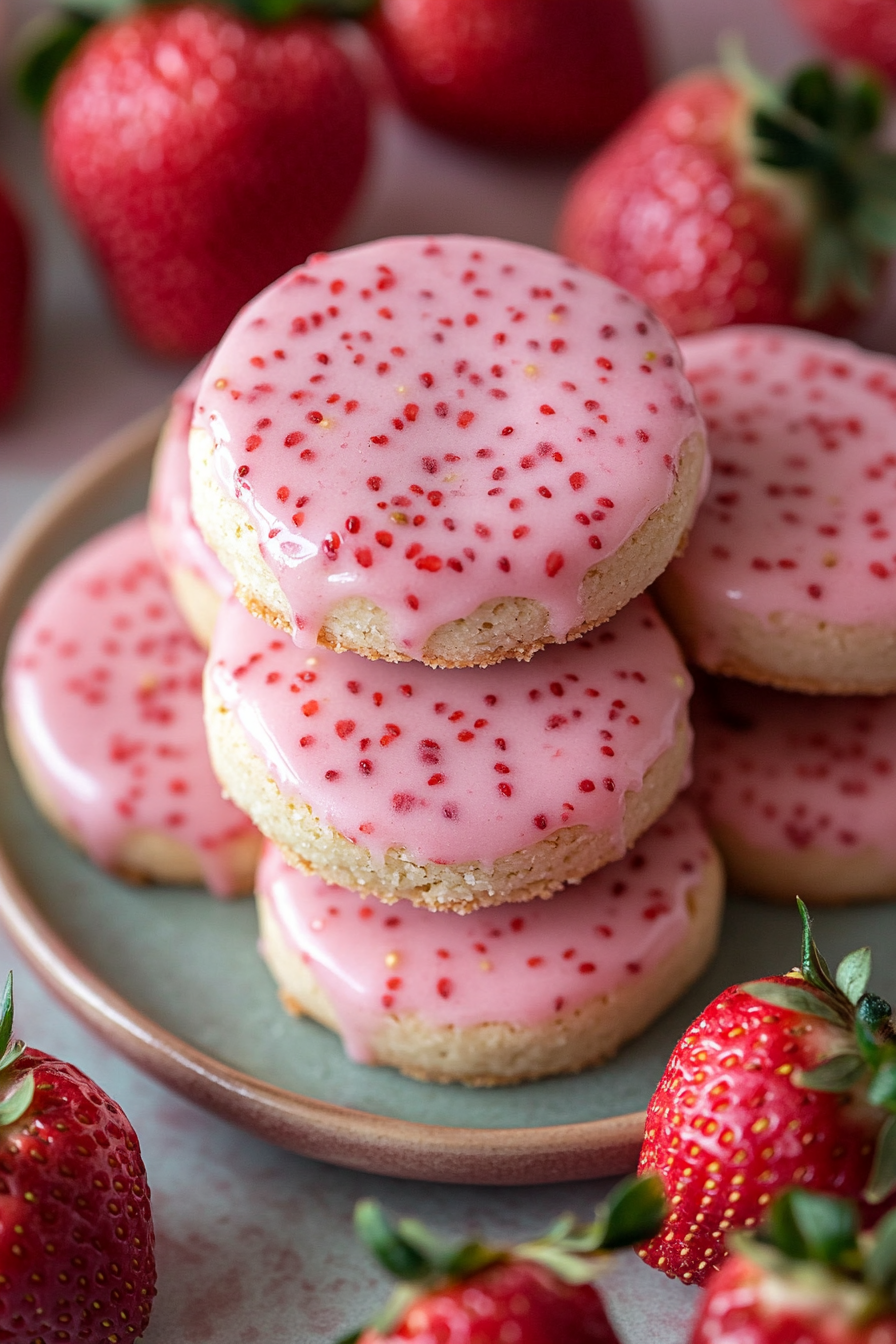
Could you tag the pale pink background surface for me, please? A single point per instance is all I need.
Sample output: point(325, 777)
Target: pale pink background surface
point(254, 1244)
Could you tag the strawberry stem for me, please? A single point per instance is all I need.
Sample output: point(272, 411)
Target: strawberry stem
point(13, 1106)
point(632, 1212)
point(821, 129)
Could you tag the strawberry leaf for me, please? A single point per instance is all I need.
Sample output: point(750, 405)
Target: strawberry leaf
point(882, 1181)
point(827, 1226)
point(880, 1262)
point(634, 1211)
point(837, 1074)
point(14, 1106)
point(813, 93)
point(854, 971)
point(882, 1088)
point(793, 998)
point(394, 1253)
point(813, 965)
point(6, 1015)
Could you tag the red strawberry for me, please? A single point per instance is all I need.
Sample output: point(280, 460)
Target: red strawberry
point(861, 30)
point(201, 156)
point(14, 278)
point(76, 1236)
point(538, 1293)
point(806, 1277)
point(516, 74)
point(725, 200)
point(785, 1081)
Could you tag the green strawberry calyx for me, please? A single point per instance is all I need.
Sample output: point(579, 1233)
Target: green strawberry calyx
point(815, 1240)
point(14, 1103)
point(46, 43)
point(821, 127)
point(867, 1061)
point(575, 1252)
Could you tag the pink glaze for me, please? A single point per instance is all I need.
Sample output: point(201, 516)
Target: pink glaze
point(801, 512)
point(176, 537)
point(400, 414)
point(789, 771)
point(463, 765)
point(103, 682)
point(499, 965)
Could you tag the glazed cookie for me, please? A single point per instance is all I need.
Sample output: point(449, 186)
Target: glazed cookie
point(454, 450)
point(452, 789)
point(104, 718)
point(198, 581)
point(499, 996)
point(798, 791)
point(790, 575)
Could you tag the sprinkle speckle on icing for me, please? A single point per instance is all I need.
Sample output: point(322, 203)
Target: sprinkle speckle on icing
point(411, 767)
point(491, 438)
point(504, 967)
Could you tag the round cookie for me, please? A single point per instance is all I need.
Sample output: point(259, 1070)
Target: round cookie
point(453, 450)
point(198, 581)
point(790, 573)
point(798, 791)
point(104, 718)
point(453, 789)
point(504, 995)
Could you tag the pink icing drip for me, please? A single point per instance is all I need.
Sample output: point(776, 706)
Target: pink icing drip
point(460, 765)
point(104, 682)
point(801, 512)
point(175, 535)
point(508, 964)
point(790, 771)
point(399, 414)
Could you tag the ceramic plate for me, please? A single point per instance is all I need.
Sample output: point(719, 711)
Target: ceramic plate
point(172, 978)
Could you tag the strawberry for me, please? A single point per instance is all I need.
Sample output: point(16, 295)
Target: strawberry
point(201, 155)
point(861, 30)
point(805, 1277)
point(728, 200)
point(76, 1236)
point(14, 279)
point(784, 1081)
point(538, 1293)
point(515, 74)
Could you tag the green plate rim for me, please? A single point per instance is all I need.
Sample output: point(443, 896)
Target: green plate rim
point(361, 1140)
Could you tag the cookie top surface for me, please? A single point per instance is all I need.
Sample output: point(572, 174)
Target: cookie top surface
point(174, 532)
point(103, 682)
point(788, 771)
point(499, 965)
point(801, 512)
point(434, 423)
point(462, 765)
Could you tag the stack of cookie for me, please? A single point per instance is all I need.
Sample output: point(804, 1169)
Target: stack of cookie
point(423, 462)
point(789, 581)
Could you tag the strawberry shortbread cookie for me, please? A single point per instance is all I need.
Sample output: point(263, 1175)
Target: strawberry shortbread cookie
point(798, 791)
point(198, 581)
point(501, 995)
point(104, 717)
point(790, 575)
point(455, 450)
point(454, 789)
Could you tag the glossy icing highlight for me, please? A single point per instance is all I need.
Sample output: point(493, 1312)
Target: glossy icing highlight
point(801, 512)
point(104, 681)
point(506, 964)
point(460, 765)
point(434, 423)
